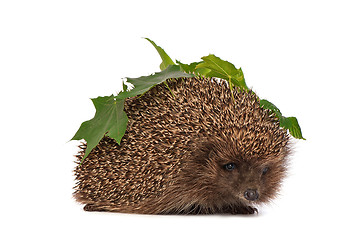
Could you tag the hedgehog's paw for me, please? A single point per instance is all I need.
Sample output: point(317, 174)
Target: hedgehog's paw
point(249, 210)
point(103, 207)
point(246, 210)
point(90, 207)
point(94, 208)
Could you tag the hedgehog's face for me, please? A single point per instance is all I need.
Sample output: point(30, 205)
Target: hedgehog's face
point(251, 180)
point(246, 181)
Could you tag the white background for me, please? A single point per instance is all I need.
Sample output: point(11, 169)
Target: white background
point(304, 56)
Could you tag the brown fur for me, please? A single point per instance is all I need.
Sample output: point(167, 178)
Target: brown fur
point(171, 159)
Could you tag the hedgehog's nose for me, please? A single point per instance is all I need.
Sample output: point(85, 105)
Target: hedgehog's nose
point(251, 194)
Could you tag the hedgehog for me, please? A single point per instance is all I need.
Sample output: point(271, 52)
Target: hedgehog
point(197, 149)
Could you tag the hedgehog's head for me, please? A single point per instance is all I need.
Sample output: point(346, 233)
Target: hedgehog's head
point(241, 169)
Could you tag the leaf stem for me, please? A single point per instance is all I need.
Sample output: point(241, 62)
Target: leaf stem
point(231, 88)
point(165, 82)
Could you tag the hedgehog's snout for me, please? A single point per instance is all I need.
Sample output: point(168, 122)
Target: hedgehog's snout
point(251, 194)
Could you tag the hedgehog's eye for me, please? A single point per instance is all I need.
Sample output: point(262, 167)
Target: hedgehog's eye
point(265, 170)
point(230, 166)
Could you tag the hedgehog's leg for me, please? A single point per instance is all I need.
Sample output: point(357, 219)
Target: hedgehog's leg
point(91, 207)
point(246, 210)
point(240, 209)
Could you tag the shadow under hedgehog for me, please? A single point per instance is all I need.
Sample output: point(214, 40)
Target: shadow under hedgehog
point(200, 152)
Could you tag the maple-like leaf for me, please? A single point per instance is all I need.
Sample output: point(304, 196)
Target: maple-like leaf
point(289, 123)
point(166, 60)
point(110, 120)
point(222, 69)
point(191, 68)
point(145, 83)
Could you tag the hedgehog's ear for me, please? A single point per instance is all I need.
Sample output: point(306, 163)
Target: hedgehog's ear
point(203, 152)
point(212, 154)
point(207, 147)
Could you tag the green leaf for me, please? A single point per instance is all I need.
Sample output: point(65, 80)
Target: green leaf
point(292, 125)
point(289, 123)
point(191, 68)
point(166, 60)
point(110, 119)
point(219, 67)
point(145, 83)
point(268, 105)
point(223, 69)
point(125, 87)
